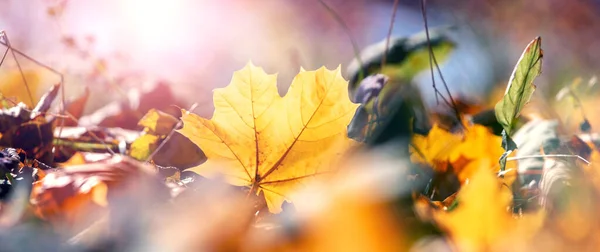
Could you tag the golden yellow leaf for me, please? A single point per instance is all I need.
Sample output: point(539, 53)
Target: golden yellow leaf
point(271, 143)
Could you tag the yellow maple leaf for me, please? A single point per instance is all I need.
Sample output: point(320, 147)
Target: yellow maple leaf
point(271, 143)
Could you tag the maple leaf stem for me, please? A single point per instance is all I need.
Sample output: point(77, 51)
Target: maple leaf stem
point(252, 189)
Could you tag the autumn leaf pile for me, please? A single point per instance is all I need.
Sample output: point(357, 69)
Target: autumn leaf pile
point(280, 173)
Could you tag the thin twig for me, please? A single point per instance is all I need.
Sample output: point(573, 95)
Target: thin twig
point(453, 103)
point(549, 155)
point(22, 54)
point(389, 34)
point(164, 142)
point(433, 61)
point(424, 14)
point(8, 45)
point(14, 51)
point(340, 21)
point(4, 56)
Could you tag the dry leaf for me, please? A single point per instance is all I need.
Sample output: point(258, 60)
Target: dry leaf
point(75, 196)
point(272, 144)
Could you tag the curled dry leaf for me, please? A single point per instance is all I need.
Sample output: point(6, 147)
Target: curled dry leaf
point(270, 143)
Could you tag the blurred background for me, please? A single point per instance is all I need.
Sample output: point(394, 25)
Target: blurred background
point(115, 48)
point(195, 45)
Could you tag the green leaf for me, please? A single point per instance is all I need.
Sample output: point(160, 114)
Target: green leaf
point(520, 87)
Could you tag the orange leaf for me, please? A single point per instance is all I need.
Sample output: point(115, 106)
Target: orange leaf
point(440, 148)
point(482, 219)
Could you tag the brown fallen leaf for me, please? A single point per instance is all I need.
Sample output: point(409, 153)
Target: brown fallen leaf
point(73, 197)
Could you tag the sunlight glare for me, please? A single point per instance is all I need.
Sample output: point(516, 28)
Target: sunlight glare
point(154, 19)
